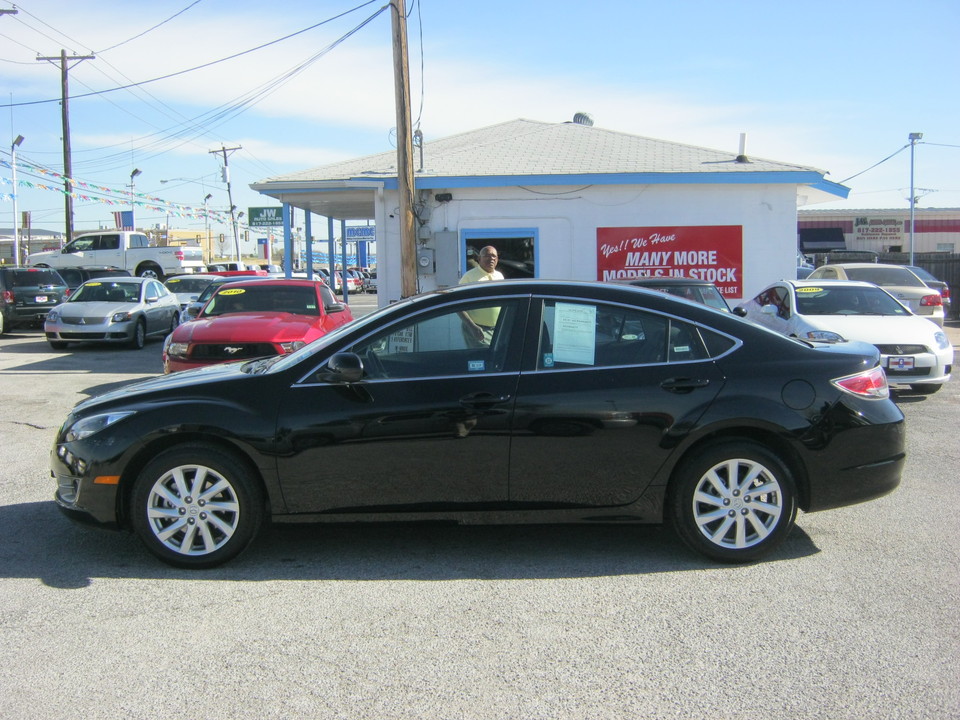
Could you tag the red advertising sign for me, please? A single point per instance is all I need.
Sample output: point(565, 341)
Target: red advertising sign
point(713, 253)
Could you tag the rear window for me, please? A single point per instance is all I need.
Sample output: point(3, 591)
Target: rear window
point(34, 278)
point(187, 284)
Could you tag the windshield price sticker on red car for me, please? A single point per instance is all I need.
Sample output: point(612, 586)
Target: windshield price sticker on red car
point(900, 362)
point(233, 291)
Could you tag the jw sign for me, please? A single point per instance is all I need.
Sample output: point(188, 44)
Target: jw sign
point(265, 216)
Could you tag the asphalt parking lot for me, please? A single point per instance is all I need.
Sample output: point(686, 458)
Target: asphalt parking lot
point(856, 616)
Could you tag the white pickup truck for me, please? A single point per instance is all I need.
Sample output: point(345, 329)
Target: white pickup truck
point(123, 249)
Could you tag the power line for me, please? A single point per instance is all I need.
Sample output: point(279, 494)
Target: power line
point(164, 22)
point(876, 164)
point(205, 65)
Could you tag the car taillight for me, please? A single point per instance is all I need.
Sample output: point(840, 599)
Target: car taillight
point(931, 300)
point(66, 293)
point(869, 384)
point(178, 254)
point(945, 294)
point(7, 297)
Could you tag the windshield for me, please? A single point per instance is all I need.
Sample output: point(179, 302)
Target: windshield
point(824, 300)
point(298, 300)
point(287, 361)
point(106, 291)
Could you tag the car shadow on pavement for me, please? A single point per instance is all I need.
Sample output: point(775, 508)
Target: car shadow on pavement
point(66, 555)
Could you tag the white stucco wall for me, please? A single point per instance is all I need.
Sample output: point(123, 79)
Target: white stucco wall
point(568, 218)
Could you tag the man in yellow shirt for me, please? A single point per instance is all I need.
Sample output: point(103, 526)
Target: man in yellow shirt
point(478, 324)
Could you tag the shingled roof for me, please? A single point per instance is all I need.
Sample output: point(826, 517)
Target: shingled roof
point(529, 148)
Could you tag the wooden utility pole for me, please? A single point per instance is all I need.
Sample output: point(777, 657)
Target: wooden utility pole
point(65, 118)
point(226, 178)
point(405, 183)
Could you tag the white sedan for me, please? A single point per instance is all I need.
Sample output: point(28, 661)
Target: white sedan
point(914, 350)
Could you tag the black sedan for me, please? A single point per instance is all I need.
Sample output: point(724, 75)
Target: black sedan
point(577, 402)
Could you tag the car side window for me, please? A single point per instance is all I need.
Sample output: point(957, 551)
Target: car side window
point(445, 343)
point(108, 242)
point(578, 334)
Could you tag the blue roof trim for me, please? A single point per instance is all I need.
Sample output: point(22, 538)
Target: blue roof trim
point(841, 191)
point(799, 177)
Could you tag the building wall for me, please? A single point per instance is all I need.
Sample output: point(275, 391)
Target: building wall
point(566, 222)
point(934, 230)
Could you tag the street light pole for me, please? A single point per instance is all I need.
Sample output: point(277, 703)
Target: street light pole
point(914, 136)
point(133, 217)
point(16, 228)
point(206, 228)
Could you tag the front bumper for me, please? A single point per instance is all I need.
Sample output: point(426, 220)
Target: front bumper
point(110, 332)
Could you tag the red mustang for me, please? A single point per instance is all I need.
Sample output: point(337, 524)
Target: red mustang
point(245, 320)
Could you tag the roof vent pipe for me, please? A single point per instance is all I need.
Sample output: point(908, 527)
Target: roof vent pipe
point(742, 157)
point(582, 118)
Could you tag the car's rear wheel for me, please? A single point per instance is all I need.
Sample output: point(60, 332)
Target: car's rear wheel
point(733, 501)
point(139, 337)
point(196, 506)
point(925, 388)
point(150, 270)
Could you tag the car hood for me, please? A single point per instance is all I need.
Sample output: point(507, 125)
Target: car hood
point(180, 384)
point(250, 327)
point(876, 329)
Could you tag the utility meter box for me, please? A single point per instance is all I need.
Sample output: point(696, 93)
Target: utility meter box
point(425, 261)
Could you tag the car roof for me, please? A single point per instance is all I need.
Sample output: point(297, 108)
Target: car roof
point(829, 282)
point(866, 265)
point(666, 282)
point(282, 282)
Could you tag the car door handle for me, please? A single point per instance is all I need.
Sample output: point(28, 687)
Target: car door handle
point(684, 385)
point(482, 400)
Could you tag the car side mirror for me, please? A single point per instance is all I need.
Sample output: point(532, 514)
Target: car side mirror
point(768, 310)
point(335, 308)
point(343, 367)
point(741, 311)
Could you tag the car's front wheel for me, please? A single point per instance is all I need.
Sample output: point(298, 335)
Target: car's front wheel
point(196, 506)
point(733, 501)
point(139, 337)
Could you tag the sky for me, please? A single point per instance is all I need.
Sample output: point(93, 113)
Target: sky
point(835, 86)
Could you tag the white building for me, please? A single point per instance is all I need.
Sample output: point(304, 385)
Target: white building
point(572, 201)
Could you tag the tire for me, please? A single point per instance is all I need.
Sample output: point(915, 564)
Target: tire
point(925, 388)
point(196, 506)
point(139, 338)
point(58, 344)
point(174, 322)
point(727, 523)
point(150, 270)
point(3, 324)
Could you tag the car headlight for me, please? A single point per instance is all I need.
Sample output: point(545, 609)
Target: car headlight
point(85, 427)
point(177, 349)
point(119, 317)
point(289, 347)
point(53, 315)
point(824, 336)
point(942, 342)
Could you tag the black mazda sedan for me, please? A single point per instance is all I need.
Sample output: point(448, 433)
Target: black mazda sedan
point(504, 402)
